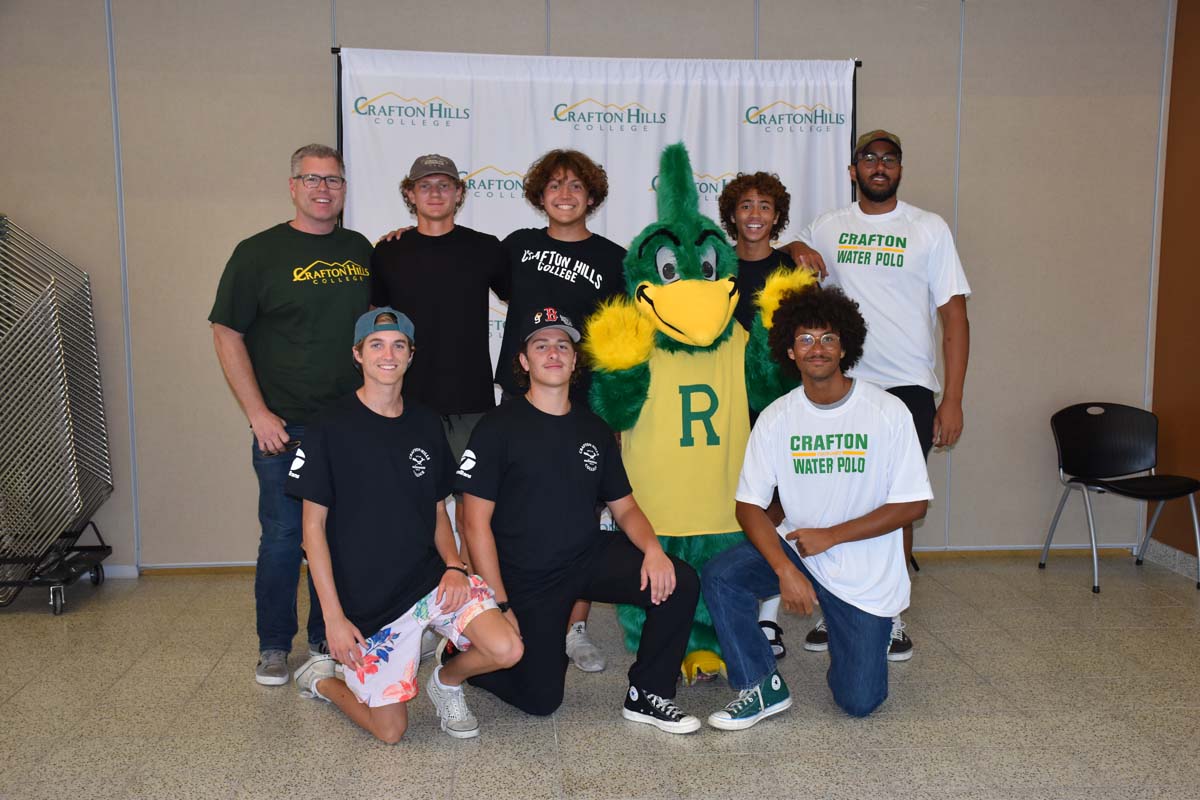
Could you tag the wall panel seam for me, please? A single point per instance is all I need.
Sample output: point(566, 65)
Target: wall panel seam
point(126, 314)
point(958, 103)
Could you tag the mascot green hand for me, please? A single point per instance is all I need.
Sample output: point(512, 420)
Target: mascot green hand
point(670, 372)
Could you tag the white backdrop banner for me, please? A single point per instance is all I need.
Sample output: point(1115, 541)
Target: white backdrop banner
point(494, 115)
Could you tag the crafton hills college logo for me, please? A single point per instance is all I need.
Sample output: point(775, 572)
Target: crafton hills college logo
point(590, 114)
point(780, 116)
point(394, 110)
point(709, 187)
point(494, 182)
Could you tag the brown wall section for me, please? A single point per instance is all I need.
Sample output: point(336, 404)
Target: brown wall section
point(1177, 337)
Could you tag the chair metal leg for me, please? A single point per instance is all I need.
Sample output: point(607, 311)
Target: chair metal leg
point(1196, 529)
point(1141, 553)
point(1054, 524)
point(1087, 506)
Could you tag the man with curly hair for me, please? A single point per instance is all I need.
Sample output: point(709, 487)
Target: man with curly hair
point(754, 209)
point(564, 265)
point(844, 457)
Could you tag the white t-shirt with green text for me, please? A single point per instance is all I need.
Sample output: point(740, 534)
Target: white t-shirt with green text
point(836, 463)
point(900, 267)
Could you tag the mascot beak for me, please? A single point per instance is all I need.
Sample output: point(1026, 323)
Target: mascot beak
point(694, 312)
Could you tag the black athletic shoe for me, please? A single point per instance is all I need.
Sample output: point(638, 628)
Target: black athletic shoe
point(817, 640)
point(900, 648)
point(661, 712)
point(774, 635)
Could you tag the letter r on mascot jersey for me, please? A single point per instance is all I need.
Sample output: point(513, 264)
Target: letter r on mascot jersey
point(676, 375)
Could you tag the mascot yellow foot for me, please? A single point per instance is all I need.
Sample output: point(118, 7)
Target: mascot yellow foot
point(701, 665)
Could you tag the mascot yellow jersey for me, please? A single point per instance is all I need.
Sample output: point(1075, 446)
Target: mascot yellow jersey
point(683, 454)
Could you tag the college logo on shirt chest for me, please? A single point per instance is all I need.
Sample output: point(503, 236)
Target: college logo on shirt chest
point(321, 273)
point(591, 456)
point(562, 266)
point(823, 454)
point(871, 249)
point(419, 460)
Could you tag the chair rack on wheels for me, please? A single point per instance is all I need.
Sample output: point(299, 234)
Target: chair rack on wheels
point(54, 462)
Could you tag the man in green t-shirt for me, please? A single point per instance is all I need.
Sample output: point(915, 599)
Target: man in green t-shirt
point(284, 305)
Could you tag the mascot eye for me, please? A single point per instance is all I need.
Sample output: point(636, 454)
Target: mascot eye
point(664, 259)
point(708, 263)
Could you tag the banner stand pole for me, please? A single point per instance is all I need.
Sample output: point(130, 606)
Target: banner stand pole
point(853, 120)
point(337, 54)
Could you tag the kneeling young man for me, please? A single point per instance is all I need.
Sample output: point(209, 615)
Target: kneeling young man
point(531, 476)
point(846, 461)
point(373, 471)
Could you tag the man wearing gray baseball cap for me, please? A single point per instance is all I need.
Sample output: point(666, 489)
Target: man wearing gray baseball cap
point(439, 275)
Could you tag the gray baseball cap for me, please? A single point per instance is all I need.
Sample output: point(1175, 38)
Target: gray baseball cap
point(432, 164)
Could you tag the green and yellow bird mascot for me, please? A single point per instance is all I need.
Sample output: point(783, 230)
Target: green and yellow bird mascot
point(676, 375)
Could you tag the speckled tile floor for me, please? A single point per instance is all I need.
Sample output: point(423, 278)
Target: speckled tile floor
point(1024, 685)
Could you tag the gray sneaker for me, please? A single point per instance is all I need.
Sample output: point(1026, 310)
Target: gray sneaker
point(272, 669)
point(582, 651)
point(451, 704)
point(317, 668)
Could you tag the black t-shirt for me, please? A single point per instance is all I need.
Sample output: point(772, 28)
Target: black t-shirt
point(441, 283)
point(381, 479)
point(295, 297)
point(545, 474)
point(573, 277)
point(751, 277)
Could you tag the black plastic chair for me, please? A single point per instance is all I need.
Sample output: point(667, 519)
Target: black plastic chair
point(1099, 444)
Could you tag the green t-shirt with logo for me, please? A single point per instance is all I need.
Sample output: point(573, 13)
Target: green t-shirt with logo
point(295, 296)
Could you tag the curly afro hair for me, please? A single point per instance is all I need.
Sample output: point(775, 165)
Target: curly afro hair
point(542, 171)
point(764, 183)
point(815, 307)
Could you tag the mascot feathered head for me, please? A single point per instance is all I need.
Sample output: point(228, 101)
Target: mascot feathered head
point(680, 270)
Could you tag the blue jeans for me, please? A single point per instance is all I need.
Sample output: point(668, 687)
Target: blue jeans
point(279, 553)
point(735, 581)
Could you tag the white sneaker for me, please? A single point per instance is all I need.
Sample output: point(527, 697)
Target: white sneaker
point(582, 651)
point(317, 668)
point(451, 705)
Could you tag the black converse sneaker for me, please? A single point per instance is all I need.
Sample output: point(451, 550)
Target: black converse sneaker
point(661, 712)
point(900, 647)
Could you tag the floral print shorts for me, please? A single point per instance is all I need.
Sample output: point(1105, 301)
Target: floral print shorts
point(389, 670)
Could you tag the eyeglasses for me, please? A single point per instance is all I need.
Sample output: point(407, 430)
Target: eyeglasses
point(311, 181)
point(887, 159)
point(828, 340)
point(435, 187)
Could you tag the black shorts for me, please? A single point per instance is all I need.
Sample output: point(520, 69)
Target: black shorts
point(920, 404)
